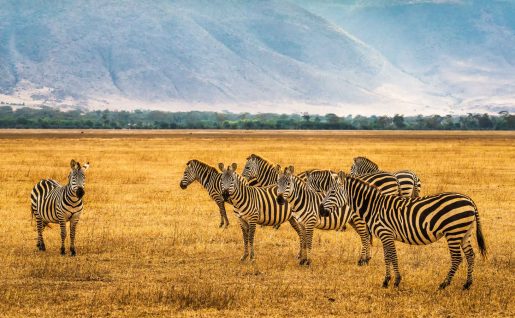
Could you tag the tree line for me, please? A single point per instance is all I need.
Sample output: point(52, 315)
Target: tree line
point(47, 117)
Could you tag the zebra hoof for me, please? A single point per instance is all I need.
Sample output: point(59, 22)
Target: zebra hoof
point(72, 252)
point(41, 247)
point(467, 285)
point(443, 285)
point(386, 281)
point(397, 282)
point(63, 251)
point(362, 262)
point(244, 258)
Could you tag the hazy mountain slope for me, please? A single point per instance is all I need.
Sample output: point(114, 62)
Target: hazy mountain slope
point(464, 48)
point(219, 54)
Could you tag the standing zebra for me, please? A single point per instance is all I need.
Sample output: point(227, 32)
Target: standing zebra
point(385, 182)
point(209, 178)
point(408, 180)
point(416, 221)
point(304, 204)
point(253, 205)
point(53, 203)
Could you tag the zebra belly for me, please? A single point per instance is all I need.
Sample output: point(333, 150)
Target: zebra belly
point(331, 222)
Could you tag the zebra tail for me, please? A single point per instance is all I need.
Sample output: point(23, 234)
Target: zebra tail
point(479, 236)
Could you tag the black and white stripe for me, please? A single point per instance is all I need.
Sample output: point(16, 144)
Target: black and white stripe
point(53, 203)
point(304, 204)
point(209, 178)
point(253, 205)
point(416, 221)
point(408, 181)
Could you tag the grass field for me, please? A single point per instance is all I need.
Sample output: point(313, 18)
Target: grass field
point(145, 247)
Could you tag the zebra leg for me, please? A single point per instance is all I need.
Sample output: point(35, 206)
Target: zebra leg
point(387, 261)
point(469, 254)
point(296, 226)
point(244, 229)
point(252, 231)
point(62, 224)
point(456, 258)
point(308, 244)
point(361, 228)
point(224, 221)
point(73, 227)
point(40, 227)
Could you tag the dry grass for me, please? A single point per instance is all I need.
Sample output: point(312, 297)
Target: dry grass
point(146, 247)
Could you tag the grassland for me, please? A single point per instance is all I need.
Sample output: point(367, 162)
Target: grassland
point(146, 247)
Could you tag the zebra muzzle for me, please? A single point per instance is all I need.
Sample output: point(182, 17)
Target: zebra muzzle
point(322, 211)
point(80, 192)
point(182, 185)
point(225, 195)
point(280, 199)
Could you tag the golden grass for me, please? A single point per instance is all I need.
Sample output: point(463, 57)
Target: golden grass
point(145, 247)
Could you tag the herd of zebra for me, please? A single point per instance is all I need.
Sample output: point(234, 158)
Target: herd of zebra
point(374, 202)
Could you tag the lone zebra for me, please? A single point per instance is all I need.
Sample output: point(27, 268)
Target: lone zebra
point(408, 180)
point(53, 203)
point(209, 178)
point(253, 205)
point(416, 221)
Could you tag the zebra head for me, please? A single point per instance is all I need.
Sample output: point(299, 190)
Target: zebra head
point(228, 180)
point(189, 175)
point(77, 178)
point(251, 169)
point(284, 183)
point(336, 197)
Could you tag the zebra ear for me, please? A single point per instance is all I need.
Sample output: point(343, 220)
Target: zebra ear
point(86, 166)
point(234, 166)
point(291, 169)
point(73, 164)
point(341, 175)
point(221, 166)
point(278, 169)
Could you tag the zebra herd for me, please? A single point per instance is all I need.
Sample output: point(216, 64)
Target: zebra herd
point(374, 202)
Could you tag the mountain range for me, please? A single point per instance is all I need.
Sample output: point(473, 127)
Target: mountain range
point(344, 57)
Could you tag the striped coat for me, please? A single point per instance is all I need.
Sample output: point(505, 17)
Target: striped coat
point(416, 221)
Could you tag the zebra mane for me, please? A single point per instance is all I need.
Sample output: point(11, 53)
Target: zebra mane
point(359, 160)
point(202, 163)
point(254, 156)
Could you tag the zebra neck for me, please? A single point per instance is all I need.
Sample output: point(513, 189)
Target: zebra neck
point(299, 194)
point(204, 177)
point(267, 176)
point(71, 198)
point(238, 198)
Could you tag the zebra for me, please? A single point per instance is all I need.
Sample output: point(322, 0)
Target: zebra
point(386, 182)
point(304, 204)
point(253, 205)
point(408, 180)
point(260, 172)
point(416, 221)
point(54, 203)
point(209, 178)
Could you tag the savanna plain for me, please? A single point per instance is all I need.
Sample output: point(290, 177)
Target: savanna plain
point(147, 248)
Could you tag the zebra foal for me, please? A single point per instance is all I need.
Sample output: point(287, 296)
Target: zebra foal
point(416, 221)
point(53, 203)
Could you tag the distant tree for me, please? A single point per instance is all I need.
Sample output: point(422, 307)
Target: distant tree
point(398, 121)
